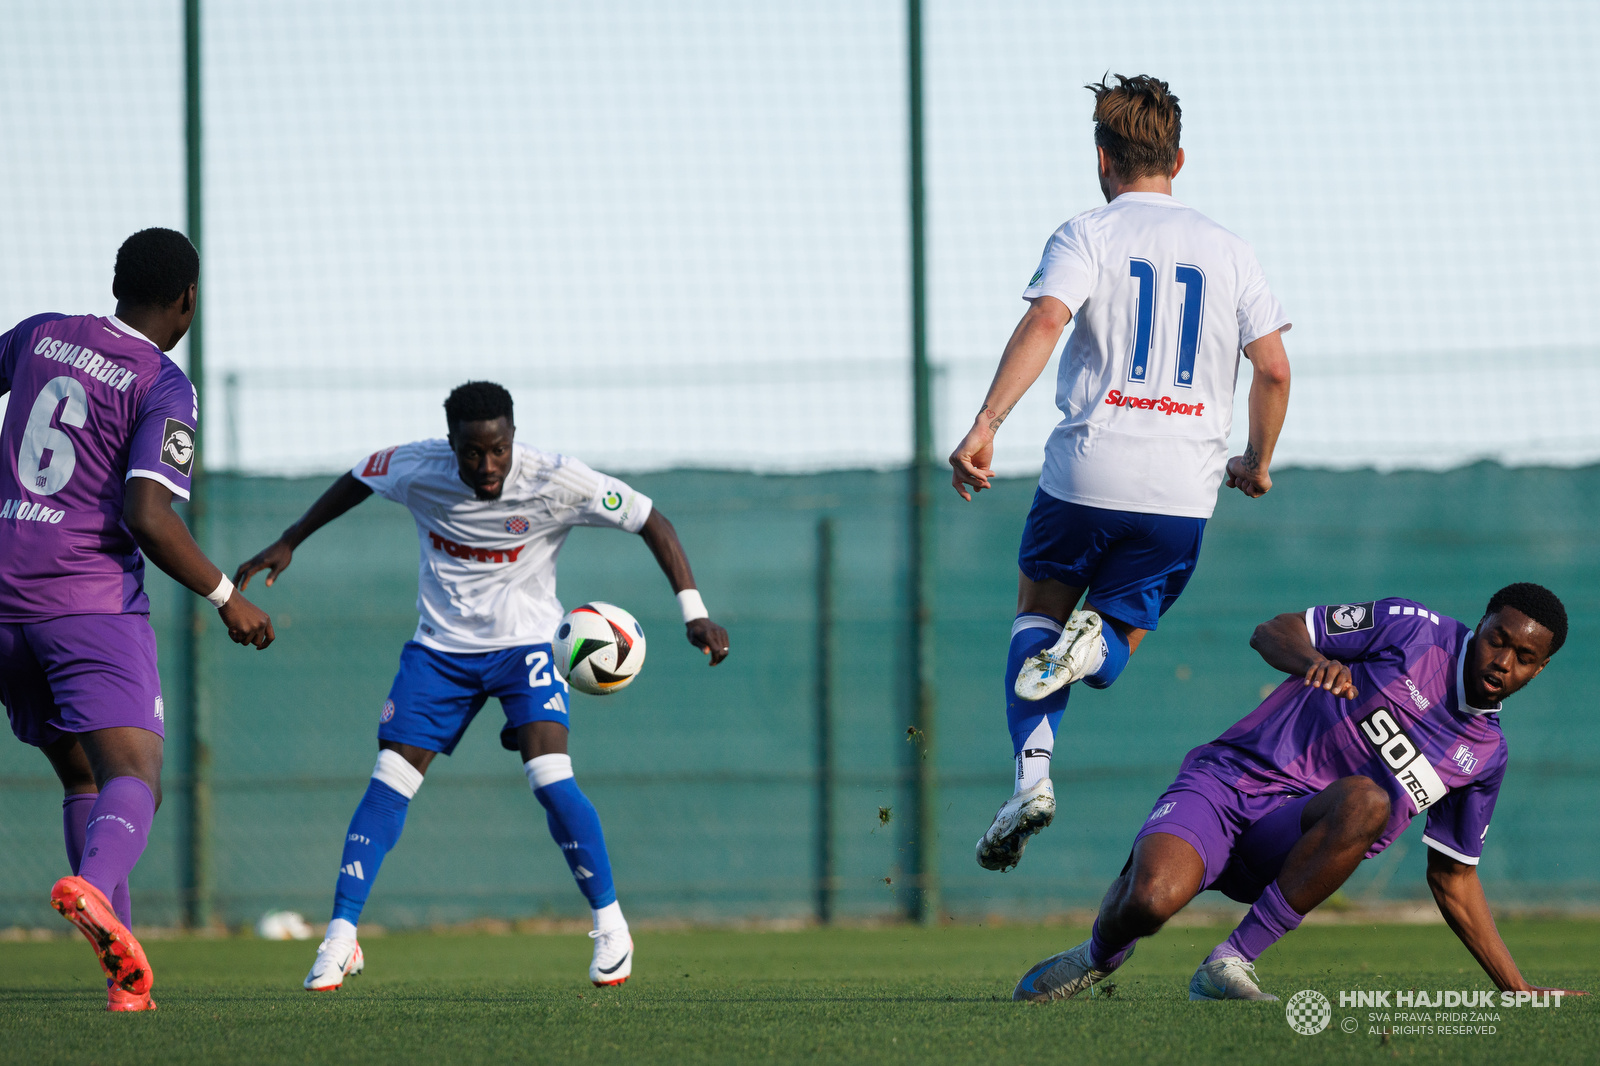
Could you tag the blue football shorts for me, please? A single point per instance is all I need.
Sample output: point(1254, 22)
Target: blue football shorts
point(1134, 565)
point(437, 694)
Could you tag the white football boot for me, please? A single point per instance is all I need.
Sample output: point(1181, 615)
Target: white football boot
point(1061, 976)
point(1077, 653)
point(613, 956)
point(336, 959)
point(1227, 978)
point(1021, 816)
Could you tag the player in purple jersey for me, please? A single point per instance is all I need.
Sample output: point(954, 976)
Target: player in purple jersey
point(1397, 714)
point(98, 438)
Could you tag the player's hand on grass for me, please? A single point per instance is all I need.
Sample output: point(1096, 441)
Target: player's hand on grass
point(247, 623)
point(970, 462)
point(275, 559)
point(1334, 676)
point(709, 637)
point(1249, 479)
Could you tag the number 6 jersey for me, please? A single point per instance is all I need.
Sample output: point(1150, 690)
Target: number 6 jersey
point(93, 404)
point(1162, 300)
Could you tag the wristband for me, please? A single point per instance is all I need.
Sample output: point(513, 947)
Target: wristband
point(693, 607)
point(219, 595)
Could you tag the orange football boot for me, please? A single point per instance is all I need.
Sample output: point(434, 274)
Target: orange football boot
point(119, 953)
point(120, 1000)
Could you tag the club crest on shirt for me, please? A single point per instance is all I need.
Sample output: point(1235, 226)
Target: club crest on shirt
point(516, 524)
point(177, 446)
point(1465, 759)
point(387, 712)
point(1349, 618)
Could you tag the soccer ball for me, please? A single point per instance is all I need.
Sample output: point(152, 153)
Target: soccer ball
point(599, 648)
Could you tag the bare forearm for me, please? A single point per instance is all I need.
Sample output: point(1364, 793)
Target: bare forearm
point(1284, 644)
point(1466, 911)
point(1269, 399)
point(342, 495)
point(662, 538)
point(1024, 359)
point(166, 541)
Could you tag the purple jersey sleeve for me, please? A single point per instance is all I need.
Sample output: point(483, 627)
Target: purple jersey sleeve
point(164, 439)
point(1351, 631)
point(12, 344)
point(1458, 823)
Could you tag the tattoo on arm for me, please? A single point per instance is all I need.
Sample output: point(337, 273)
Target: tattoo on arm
point(1252, 458)
point(995, 417)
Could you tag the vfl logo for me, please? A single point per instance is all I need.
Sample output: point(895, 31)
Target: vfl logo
point(1465, 759)
point(1162, 811)
point(1405, 760)
point(1349, 618)
point(161, 715)
point(177, 446)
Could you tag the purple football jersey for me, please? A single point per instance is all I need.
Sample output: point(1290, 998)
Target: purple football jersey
point(93, 403)
point(1409, 729)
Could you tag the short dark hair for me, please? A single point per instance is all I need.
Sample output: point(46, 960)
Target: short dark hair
point(477, 401)
point(154, 266)
point(1539, 604)
point(1138, 122)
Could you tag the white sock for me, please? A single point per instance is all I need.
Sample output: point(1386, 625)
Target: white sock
point(609, 917)
point(1033, 761)
point(339, 927)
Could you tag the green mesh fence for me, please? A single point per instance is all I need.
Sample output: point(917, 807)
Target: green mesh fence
point(707, 779)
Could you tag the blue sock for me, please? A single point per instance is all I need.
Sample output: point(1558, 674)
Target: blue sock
point(374, 831)
point(1116, 656)
point(1033, 723)
point(575, 825)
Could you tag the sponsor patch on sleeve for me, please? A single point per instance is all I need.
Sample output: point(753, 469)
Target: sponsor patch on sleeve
point(177, 446)
point(378, 463)
point(1348, 618)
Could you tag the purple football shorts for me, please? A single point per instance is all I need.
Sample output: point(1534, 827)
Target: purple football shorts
point(1242, 839)
point(79, 673)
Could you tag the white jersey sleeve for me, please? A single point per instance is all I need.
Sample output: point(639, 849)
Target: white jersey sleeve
point(1260, 313)
point(386, 472)
point(1066, 270)
point(606, 501)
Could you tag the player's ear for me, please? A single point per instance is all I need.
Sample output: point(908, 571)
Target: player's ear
point(1105, 161)
point(1178, 164)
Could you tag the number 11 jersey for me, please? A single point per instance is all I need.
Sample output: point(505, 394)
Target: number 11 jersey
point(93, 404)
point(1162, 300)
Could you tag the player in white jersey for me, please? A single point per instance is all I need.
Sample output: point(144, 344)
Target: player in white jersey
point(491, 517)
point(1163, 300)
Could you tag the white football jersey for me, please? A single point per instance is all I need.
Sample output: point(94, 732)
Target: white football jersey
point(1162, 301)
point(487, 580)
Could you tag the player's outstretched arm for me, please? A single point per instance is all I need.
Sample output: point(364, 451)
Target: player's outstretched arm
point(165, 541)
point(1459, 893)
point(702, 632)
point(275, 558)
point(1269, 402)
point(1021, 363)
point(1286, 645)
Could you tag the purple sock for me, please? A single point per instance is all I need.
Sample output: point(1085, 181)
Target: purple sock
point(1107, 956)
point(119, 827)
point(1268, 922)
point(74, 823)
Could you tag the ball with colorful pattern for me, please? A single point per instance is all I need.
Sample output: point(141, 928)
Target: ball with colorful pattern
point(599, 648)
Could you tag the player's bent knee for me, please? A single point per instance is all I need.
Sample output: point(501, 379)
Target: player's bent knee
point(1148, 902)
point(1364, 803)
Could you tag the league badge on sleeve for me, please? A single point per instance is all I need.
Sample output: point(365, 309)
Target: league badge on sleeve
point(1349, 618)
point(177, 446)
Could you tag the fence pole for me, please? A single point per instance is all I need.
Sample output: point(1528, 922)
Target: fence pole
point(924, 901)
point(197, 881)
point(825, 770)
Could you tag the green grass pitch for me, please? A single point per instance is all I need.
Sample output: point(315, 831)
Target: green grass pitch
point(878, 995)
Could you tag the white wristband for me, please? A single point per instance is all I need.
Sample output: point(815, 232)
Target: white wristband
point(219, 595)
point(692, 605)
